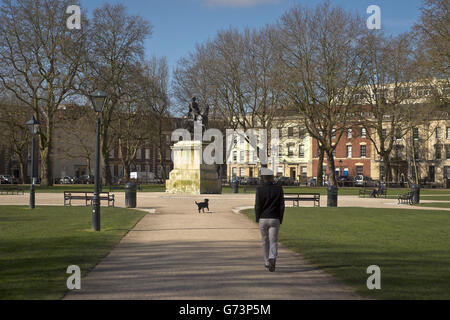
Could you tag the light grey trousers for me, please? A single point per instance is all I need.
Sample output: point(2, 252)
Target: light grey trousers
point(269, 234)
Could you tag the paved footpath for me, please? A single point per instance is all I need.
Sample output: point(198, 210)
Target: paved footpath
point(176, 253)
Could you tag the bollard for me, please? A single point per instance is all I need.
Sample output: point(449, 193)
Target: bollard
point(130, 195)
point(415, 192)
point(235, 186)
point(332, 197)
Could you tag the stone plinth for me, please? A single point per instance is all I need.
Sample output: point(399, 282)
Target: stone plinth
point(189, 174)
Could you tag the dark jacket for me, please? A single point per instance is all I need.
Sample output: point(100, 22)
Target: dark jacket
point(269, 202)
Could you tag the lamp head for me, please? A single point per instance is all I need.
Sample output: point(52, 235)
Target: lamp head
point(98, 99)
point(33, 125)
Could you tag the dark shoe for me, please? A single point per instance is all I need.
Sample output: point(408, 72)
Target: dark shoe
point(267, 266)
point(271, 265)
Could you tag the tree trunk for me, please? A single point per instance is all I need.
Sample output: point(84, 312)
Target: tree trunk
point(320, 169)
point(126, 171)
point(22, 170)
point(331, 169)
point(387, 167)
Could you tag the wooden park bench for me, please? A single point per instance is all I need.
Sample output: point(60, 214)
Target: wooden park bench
point(87, 197)
point(362, 193)
point(296, 198)
point(11, 189)
point(405, 198)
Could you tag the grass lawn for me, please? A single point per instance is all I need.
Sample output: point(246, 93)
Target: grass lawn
point(412, 247)
point(37, 246)
point(435, 204)
point(60, 188)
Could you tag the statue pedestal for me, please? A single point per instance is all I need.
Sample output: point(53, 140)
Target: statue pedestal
point(189, 175)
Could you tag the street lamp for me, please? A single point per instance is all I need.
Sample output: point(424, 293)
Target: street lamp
point(98, 99)
point(33, 124)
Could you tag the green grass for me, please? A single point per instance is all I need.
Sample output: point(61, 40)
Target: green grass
point(439, 198)
point(412, 247)
point(60, 188)
point(435, 204)
point(37, 246)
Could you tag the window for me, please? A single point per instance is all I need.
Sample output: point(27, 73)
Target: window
point(359, 170)
point(234, 156)
point(363, 151)
point(423, 92)
point(334, 153)
point(242, 172)
point(290, 150)
point(233, 172)
point(290, 131)
point(349, 151)
point(447, 136)
point(416, 134)
point(398, 151)
point(280, 171)
point(438, 133)
point(447, 151)
point(333, 134)
point(304, 171)
point(383, 133)
point(280, 151)
point(364, 133)
point(381, 171)
point(438, 150)
point(301, 151)
point(349, 133)
point(242, 156)
point(138, 154)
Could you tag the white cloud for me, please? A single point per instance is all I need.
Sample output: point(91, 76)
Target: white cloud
point(237, 3)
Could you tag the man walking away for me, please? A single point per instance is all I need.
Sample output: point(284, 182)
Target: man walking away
point(269, 211)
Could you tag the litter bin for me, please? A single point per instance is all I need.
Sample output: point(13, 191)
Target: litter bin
point(332, 196)
point(235, 186)
point(130, 195)
point(415, 192)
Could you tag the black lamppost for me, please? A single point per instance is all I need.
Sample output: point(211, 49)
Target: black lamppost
point(98, 99)
point(33, 124)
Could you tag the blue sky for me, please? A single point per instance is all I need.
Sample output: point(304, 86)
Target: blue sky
point(179, 24)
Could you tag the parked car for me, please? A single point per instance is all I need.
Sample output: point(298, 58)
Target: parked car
point(312, 182)
point(346, 181)
point(7, 179)
point(86, 179)
point(66, 180)
point(250, 181)
point(361, 181)
point(287, 181)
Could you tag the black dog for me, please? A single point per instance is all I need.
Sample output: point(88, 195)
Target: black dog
point(202, 205)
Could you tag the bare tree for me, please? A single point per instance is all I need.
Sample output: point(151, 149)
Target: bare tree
point(14, 134)
point(324, 68)
point(433, 32)
point(387, 92)
point(39, 60)
point(76, 129)
point(116, 50)
point(155, 98)
point(238, 75)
